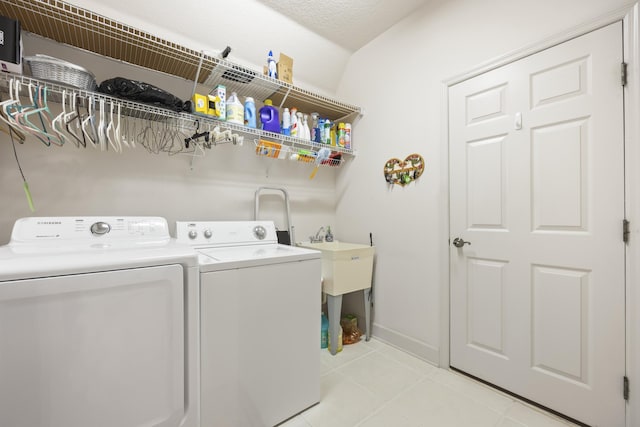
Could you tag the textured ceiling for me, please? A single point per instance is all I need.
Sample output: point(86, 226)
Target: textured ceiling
point(349, 23)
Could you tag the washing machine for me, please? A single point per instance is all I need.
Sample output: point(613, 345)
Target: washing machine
point(260, 323)
point(98, 324)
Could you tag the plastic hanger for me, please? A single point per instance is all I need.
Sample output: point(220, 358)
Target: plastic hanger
point(88, 128)
point(118, 135)
point(58, 121)
point(74, 115)
point(102, 128)
point(111, 131)
point(14, 104)
point(12, 126)
point(22, 110)
point(44, 114)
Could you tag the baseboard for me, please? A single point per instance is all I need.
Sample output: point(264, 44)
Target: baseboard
point(410, 345)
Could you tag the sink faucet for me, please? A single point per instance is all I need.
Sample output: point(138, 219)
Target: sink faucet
point(318, 237)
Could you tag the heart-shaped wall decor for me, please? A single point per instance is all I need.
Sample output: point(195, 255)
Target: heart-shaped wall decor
point(402, 172)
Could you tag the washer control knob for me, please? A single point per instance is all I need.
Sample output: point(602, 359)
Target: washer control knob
point(208, 233)
point(260, 232)
point(193, 234)
point(100, 228)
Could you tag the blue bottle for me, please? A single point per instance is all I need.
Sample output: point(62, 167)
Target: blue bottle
point(269, 117)
point(324, 332)
point(250, 112)
point(319, 131)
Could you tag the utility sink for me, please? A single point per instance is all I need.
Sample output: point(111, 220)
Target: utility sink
point(346, 267)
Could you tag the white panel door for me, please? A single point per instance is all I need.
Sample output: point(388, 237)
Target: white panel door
point(100, 349)
point(537, 188)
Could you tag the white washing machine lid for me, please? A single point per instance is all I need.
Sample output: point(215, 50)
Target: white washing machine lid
point(53, 246)
point(224, 245)
point(224, 258)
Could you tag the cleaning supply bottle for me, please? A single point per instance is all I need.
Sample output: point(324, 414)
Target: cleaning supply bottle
point(286, 122)
point(324, 331)
point(269, 117)
point(320, 131)
point(235, 110)
point(294, 122)
point(271, 66)
point(305, 126)
point(249, 112)
point(315, 131)
point(347, 135)
point(326, 136)
point(300, 125)
point(339, 349)
point(341, 135)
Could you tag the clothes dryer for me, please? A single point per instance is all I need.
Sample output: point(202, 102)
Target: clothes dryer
point(98, 324)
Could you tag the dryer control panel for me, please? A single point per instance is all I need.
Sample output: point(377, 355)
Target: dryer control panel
point(39, 229)
point(213, 234)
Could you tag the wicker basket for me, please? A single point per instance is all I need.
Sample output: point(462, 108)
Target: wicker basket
point(45, 67)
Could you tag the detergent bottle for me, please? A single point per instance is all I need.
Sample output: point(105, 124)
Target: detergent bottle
point(324, 331)
point(250, 112)
point(269, 117)
point(235, 110)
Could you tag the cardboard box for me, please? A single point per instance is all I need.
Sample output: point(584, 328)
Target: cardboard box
point(200, 104)
point(208, 105)
point(10, 45)
point(220, 109)
point(285, 68)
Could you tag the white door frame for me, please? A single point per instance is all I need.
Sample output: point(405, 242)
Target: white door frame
point(630, 15)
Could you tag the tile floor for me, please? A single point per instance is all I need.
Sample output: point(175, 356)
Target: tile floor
point(371, 384)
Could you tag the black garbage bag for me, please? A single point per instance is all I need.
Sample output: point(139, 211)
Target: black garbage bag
point(133, 90)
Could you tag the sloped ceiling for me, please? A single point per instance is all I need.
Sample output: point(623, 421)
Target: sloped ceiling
point(348, 23)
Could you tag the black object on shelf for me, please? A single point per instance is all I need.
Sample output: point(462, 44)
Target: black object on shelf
point(141, 92)
point(9, 43)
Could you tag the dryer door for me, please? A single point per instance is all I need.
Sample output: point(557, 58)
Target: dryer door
point(99, 349)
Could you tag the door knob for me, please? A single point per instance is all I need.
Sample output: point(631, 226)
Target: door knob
point(458, 242)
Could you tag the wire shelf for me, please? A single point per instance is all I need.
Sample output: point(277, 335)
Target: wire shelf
point(276, 150)
point(75, 26)
point(178, 120)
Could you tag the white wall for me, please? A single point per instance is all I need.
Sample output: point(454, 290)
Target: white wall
point(71, 181)
point(398, 80)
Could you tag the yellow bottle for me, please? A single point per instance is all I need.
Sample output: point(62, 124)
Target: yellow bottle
point(341, 135)
point(339, 341)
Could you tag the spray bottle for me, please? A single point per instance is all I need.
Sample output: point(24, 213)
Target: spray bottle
point(294, 122)
point(271, 66)
point(315, 130)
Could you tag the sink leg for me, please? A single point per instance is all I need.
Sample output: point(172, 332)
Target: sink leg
point(334, 307)
point(367, 314)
